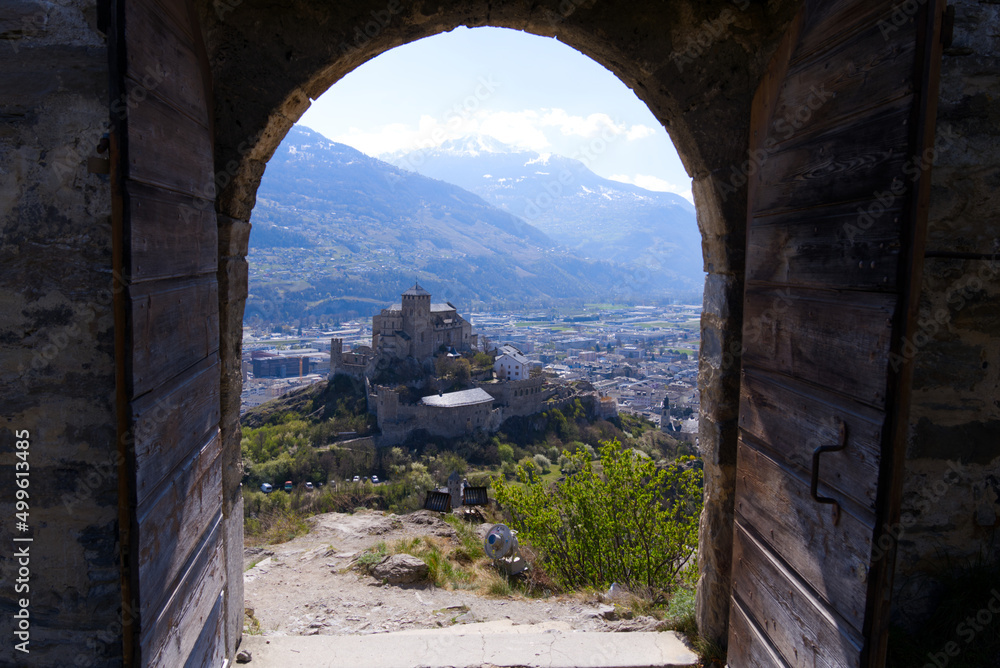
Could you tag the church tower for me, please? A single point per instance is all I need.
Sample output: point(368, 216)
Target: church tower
point(417, 320)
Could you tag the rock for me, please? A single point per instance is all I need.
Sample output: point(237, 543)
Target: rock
point(604, 612)
point(243, 656)
point(445, 531)
point(641, 624)
point(401, 569)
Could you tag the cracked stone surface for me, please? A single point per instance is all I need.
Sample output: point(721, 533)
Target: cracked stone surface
point(476, 646)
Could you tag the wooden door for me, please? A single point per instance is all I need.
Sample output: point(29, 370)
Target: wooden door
point(166, 250)
point(836, 205)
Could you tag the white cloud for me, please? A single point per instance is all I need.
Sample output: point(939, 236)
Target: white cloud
point(517, 128)
point(535, 130)
point(656, 184)
point(639, 132)
point(589, 126)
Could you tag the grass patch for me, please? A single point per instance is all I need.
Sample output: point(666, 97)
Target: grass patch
point(373, 556)
point(273, 528)
point(497, 584)
point(442, 570)
point(680, 612)
point(251, 625)
point(255, 562)
point(467, 536)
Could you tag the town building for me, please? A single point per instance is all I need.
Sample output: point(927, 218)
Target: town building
point(275, 365)
point(511, 364)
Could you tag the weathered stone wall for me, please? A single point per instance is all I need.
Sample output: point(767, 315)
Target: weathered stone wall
point(518, 397)
point(397, 421)
point(951, 494)
point(57, 374)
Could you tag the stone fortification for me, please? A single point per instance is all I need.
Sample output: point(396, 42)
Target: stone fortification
point(447, 415)
point(417, 328)
point(519, 397)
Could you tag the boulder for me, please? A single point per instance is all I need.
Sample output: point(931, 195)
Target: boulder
point(401, 569)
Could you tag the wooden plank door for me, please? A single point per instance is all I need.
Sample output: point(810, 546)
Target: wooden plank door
point(166, 258)
point(839, 124)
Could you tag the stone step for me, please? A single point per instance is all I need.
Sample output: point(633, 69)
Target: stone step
point(473, 646)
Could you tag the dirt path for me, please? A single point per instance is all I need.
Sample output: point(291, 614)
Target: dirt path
point(306, 586)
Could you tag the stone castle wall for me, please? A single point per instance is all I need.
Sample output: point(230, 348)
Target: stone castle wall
point(519, 397)
point(398, 421)
point(951, 491)
point(57, 353)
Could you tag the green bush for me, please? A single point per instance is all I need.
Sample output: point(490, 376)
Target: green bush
point(636, 524)
point(542, 463)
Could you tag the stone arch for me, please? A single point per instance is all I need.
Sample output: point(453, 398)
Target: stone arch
point(267, 66)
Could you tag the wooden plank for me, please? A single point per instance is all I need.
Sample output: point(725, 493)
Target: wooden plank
point(169, 150)
point(162, 59)
point(799, 625)
point(209, 650)
point(927, 72)
point(843, 83)
point(173, 524)
point(836, 341)
point(843, 246)
point(175, 325)
point(854, 162)
point(793, 419)
point(172, 236)
point(177, 14)
point(834, 559)
point(748, 648)
point(168, 637)
point(830, 22)
point(173, 420)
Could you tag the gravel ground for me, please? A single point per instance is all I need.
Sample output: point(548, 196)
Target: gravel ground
point(305, 586)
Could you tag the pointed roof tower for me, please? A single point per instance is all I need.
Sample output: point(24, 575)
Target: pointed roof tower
point(416, 291)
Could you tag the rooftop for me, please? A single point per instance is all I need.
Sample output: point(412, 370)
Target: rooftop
point(416, 291)
point(455, 399)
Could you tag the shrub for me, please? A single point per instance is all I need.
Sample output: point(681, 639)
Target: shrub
point(506, 452)
point(636, 525)
point(542, 463)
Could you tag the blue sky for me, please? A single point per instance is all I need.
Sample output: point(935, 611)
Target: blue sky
point(522, 89)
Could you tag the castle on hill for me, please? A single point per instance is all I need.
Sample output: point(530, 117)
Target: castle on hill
point(413, 328)
point(418, 328)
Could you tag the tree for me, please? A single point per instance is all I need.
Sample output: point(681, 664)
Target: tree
point(506, 452)
point(636, 524)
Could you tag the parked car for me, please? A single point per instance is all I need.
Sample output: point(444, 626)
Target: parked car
point(266, 488)
point(374, 479)
point(309, 485)
point(356, 479)
point(288, 485)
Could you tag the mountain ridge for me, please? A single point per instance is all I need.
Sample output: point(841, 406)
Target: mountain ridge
point(336, 232)
point(594, 216)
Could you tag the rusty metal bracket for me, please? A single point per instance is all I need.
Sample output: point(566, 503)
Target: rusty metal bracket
point(814, 486)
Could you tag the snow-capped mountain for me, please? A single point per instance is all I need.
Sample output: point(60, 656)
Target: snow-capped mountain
point(336, 231)
point(594, 216)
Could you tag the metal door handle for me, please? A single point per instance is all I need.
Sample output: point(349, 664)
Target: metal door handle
point(815, 471)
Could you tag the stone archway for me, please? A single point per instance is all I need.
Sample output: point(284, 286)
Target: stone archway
point(267, 66)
